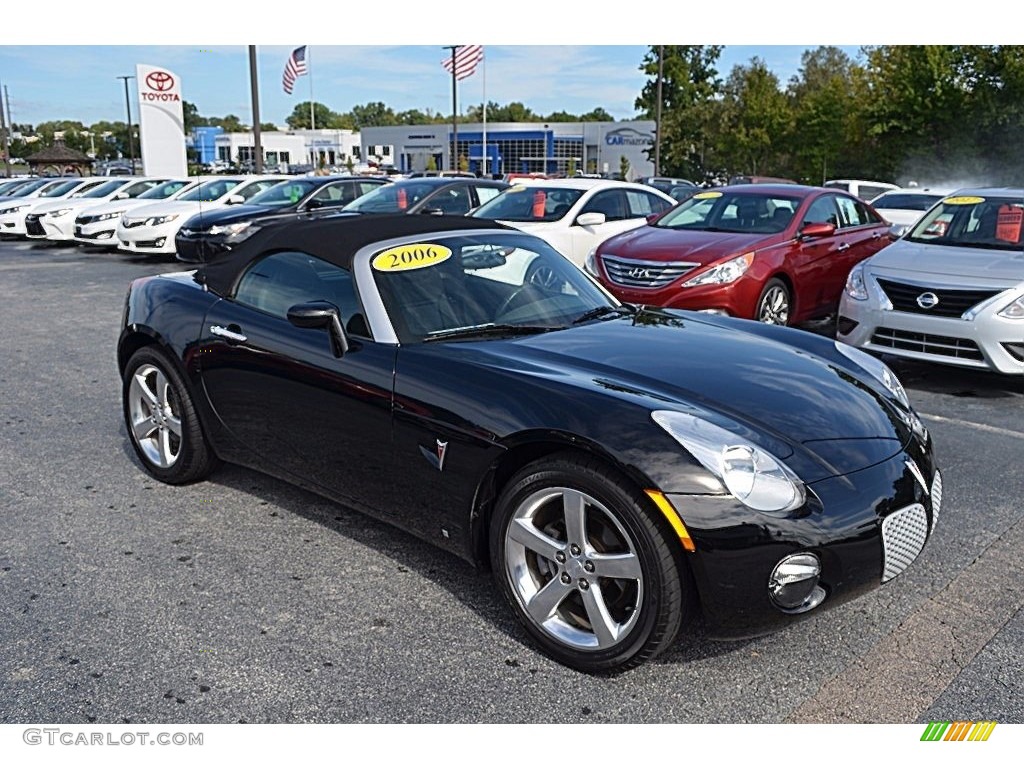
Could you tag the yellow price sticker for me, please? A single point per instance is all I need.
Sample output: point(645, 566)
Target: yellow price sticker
point(706, 195)
point(963, 200)
point(413, 256)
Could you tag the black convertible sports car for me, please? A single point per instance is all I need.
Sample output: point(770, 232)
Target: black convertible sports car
point(620, 469)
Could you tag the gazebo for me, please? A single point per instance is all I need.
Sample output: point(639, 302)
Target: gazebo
point(59, 160)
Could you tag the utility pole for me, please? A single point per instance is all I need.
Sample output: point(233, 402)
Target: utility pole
point(455, 125)
point(3, 128)
point(255, 86)
point(657, 127)
point(128, 107)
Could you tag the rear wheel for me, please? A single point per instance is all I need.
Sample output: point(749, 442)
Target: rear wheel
point(775, 305)
point(161, 420)
point(587, 568)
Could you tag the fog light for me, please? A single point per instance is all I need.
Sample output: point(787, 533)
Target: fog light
point(159, 242)
point(793, 585)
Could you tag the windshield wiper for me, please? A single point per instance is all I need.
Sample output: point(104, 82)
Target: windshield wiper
point(596, 312)
point(490, 329)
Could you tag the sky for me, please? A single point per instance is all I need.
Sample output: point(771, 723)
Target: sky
point(568, 57)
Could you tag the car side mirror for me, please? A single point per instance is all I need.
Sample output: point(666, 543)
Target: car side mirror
point(312, 204)
point(321, 314)
point(896, 231)
point(433, 211)
point(235, 200)
point(818, 229)
point(652, 217)
point(591, 219)
point(121, 196)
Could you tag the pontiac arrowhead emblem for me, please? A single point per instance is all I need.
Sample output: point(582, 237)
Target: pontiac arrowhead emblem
point(436, 458)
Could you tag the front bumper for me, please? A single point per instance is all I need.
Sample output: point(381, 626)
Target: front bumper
point(102, 232)
point(200, 246)
point(13, 224)
point(984, 342)
point(146, 239)
point(45, 227)
point(738, 299)
point(865, 528)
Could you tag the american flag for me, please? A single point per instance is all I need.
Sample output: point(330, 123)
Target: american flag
point(464, 61)
point(296, 67)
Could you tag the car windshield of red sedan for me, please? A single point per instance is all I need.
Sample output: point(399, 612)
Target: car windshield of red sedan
point(489, 285)
point(973, 221)
point(522, 203)
point(715, 211)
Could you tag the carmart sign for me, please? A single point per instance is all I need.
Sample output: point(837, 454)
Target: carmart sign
point(628, 137)
point(161, 122)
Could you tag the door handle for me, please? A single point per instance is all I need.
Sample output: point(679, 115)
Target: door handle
point(228, 334)
point(843, 247)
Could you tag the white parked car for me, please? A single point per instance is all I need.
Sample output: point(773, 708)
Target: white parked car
point(865, 190)
point(151, 228)
point(903, 208)
point(56, 220)
point(13, 212)
point(96, 225)
point(575, 215)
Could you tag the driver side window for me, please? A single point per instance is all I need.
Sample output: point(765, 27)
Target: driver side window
point(610, 202)
point(823, 211)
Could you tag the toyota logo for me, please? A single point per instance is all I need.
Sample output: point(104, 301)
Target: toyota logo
point(160, 81)
point(639, 273)
point(927, 300)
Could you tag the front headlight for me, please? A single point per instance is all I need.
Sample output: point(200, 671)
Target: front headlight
point(230, 229)
point(14, 209)
point(590, 263)
point(879, 370)
point(748, 472)
point(856, 288)
point(1014, 310)
point(156, 221)
point(58, 213)
point(724, 273)
point(108, 216)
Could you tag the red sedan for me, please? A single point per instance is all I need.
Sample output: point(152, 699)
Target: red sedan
point(778, 253)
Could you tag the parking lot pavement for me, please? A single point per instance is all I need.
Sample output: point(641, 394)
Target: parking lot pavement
point(244, 599)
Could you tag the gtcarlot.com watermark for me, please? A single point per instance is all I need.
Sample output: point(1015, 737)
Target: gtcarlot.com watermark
point(71, 738)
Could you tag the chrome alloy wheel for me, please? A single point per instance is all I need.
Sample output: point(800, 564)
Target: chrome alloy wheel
point(573, 568)
point(774, 308)
point(155, 416)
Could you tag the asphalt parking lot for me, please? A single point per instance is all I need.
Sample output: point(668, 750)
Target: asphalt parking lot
point(242, 599)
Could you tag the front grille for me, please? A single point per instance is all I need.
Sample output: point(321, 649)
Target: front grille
point(951, 303)
point(82, 220)
point(930, 343)
point(936, 499)
point(150, 243)
point(904, 533)
point(32, 225)
point(645, 274)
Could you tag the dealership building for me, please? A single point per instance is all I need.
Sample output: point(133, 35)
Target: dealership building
point(517, 147)
point(327, 147)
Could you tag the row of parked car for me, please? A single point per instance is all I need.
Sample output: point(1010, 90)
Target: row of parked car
point(929, 274)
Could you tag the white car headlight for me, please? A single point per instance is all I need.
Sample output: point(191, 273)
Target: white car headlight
point(590, 263)
point(879, 370)
point(156, 221)
point(58, 213)
point(13, 209)
point(726, 272)
point(856, 288)
point(230, 229)
point(749, 472)
point(1014, 310)
point(107, 216)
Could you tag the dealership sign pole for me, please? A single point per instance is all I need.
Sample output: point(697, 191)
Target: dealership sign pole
point(161, 122)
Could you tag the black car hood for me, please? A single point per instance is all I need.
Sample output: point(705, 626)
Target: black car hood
point(235, 213)
point(825, 413)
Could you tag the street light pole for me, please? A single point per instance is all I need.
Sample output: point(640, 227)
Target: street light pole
point(657, 125)
point(3, 128)
point(128, 107)
point(257, 149)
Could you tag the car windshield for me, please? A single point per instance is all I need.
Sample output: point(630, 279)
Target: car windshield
point(529, 203)
point(58, 190)
point(714, 211)
point(392, 198)
point(209, 191)
point(905, 202)
point(165, 190)
point(483, 285)
point(107, 188)
point(285, 193)
point(30, 187)
point(973, 221)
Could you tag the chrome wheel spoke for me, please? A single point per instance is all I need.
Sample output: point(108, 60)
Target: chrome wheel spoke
point(574, 505)
point(160, 382)
point(546, 601)
point(140, 388)
point(606, 629)
point(624, 566)
point(167, 455)
point(173, 424)
point(143, 428)
point(524, 532)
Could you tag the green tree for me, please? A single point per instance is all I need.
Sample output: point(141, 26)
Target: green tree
point(191, 115)
point(689, 84)
point(756, 116)
point(373, 114)
point(570, 167)
point(624, 167)
point(431, 163)
point(463, 163)
point(597, 115)
point(299, 118)
point(562, 117)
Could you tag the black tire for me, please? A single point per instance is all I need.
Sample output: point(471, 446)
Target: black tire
point(775, 305)
point(161, 420)
point(643, 611)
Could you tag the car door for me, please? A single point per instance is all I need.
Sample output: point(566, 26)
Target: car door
point(617, 218)
point(282, 392)
point(814, 260)
point(863, 231)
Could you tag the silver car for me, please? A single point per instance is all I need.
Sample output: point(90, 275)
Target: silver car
point(949, 291)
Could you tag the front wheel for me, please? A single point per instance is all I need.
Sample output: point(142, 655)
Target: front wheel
point(589, 570)
point(775, 305)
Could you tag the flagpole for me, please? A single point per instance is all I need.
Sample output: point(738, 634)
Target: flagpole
point(257, 142)
point(455, 125)
point(484, 156)
point(312, 110)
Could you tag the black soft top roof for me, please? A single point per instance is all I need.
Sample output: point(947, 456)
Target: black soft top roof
point(335, 239)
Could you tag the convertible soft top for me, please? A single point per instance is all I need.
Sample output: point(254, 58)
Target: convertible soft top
point(335, 239)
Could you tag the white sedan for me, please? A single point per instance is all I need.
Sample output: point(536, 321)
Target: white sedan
point(151, 228)
point(575, 215)
point(903, 208)
point(14, 211)
point(96, 225)
point(56, 220)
